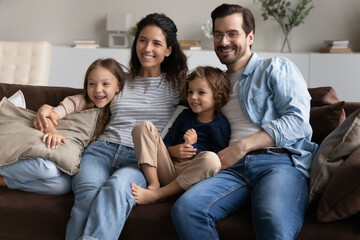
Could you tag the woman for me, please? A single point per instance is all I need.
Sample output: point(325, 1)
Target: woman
point(103, 198)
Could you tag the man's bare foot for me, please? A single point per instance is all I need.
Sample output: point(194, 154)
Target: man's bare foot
point(2, 182)
point(144, 196)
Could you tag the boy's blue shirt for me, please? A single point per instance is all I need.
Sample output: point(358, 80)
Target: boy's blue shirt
point(213, 136)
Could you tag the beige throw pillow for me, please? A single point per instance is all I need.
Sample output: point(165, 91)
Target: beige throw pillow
point(335, 148)
point(19, 140)
point(341, 198)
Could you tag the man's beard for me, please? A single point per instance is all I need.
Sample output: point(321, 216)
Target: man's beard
point(226, 59)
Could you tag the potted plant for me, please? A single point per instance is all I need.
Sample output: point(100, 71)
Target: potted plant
point(287, 17)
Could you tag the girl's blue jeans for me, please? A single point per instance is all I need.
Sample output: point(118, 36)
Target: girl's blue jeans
point(268, 183)
point(103, 198)
point(36, 175)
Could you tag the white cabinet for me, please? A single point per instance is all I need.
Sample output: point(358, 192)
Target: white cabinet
point(341, 71)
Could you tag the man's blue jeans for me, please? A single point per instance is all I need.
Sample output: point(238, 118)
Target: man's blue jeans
point(277, 191)
point(103, 198)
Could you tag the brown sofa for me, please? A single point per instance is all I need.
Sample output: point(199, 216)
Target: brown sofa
point(34, 216)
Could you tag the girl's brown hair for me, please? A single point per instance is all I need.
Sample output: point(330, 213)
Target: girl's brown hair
point(217, 80)
point(116, 69)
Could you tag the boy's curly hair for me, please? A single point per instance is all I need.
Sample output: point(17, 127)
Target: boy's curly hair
point(217, 80)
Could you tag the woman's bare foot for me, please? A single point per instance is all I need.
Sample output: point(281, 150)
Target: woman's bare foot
point(144, 196)
point(2, 182)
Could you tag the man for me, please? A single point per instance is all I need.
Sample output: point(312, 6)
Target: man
point(268, 159)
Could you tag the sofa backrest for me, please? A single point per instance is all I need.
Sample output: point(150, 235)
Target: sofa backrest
point(35, 96)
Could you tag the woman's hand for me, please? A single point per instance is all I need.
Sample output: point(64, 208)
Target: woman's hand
point(44, 112)
point(182, 151)
point(53, 139)
point(190, 136)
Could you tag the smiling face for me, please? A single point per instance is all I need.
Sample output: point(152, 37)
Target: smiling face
point(102, 86)
point(233, 53)
point(201, 99)
point(151, 49)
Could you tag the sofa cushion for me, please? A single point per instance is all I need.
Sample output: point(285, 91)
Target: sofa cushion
point(335, 148)
point(341, 197)
point(32, 216)
point(321, 96)
point(325, 119)
point(19, 140)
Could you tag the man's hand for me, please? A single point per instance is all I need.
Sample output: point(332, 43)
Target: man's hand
point(182, 151)
point(44, 112)
point(236, 151)
point(230, 155)
point(190, 136)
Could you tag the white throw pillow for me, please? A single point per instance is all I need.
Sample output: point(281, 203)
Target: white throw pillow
point(18, 99)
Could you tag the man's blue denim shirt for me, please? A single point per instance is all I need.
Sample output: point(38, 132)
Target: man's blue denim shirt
point(273, 94)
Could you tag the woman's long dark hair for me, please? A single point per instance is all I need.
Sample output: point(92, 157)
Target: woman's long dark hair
point(175, 65)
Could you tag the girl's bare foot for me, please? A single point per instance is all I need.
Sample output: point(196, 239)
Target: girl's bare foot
point(153, 186)
point(144, 196)
point(2, 182)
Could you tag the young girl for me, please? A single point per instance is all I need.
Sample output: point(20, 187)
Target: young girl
point(188, 153)
point(103, 79)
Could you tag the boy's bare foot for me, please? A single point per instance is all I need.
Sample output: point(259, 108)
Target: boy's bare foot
point(2, 182)
point(144, 196)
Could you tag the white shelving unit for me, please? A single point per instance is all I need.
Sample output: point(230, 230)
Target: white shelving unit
point(341, 71)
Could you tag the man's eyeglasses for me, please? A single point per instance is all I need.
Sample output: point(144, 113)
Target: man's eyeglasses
point(231, 35)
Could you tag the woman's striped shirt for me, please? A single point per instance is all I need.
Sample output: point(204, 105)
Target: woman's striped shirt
point(151, 99)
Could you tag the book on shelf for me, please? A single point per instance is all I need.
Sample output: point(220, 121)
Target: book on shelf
point(190, 44)
point(85, 44)
point(335, 50)
point(337, 44)
point(187, 47)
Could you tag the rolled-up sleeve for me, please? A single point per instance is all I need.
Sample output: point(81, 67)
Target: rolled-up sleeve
point(291, 100)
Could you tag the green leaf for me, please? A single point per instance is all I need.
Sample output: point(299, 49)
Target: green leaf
point(281, 11)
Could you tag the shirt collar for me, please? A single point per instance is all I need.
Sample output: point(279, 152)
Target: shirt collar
point(254, 60)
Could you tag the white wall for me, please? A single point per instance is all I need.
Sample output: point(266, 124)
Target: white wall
point(62, 21)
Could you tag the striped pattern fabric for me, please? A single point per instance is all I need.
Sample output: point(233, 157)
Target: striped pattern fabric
point(150, 99)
